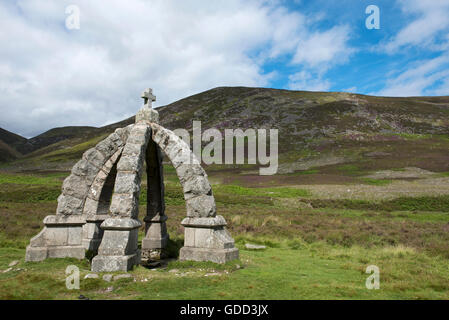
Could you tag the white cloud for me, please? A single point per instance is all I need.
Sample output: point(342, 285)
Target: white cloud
point(51, 76)
point(429, 19)
point(316, 54)
point(420, 78)
point(323, 49)
point(304, 80)
point(427, 30)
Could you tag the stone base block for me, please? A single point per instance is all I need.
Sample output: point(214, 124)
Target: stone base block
point(92, 233)
point(155, 243)
point(42, 253)
point(115, 263)
point(91, 244)
point(118, 250)
point(207, 254)
point(60, 238)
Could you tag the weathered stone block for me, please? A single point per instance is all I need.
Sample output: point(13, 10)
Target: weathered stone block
point(90, 206)
point(112, 161)
point(147, 114)
point(35, 254)
point(130, 163)
point(116, 139)
point(124, 205)
point(95, 157)
point(127, 182)
point(206, 254)
point(75, 235)
point(183, 156)
point(140, 134)
point(115, 263)
point(91, 230)
point(77, 252)
point(196, 185)
point(124, 132)
point(107, 147)
point(189, 237)
point(85, 169)
point(69, 205)
point(186, 171)
point(134, 150)
point(64, 220)
point(156, 236)
point(75, 186)
point(55, 236)
point(114, 223)
point(204, 222)
point(149, 243)
point(118, 242)
point(161, 136)
point(201, 206)
point(39, 239)
point(208, 238)
point(118, 249)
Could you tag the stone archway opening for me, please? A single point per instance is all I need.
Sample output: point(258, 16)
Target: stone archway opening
point(99, 205)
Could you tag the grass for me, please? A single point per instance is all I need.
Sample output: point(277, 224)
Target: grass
point(316, 248)
point(317, 271)
point(424, 203)
point(376, 182)
point(49, 179)
point(279, 192)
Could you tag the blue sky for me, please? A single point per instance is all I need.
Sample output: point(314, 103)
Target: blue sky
point(51, 75)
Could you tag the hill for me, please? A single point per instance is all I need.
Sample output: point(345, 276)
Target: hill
point(316, 129)
point(9, 143)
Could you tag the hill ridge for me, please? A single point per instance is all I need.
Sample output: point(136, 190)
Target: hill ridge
point(311, 124)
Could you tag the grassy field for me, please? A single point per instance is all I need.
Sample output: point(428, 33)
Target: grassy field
point(320, 236)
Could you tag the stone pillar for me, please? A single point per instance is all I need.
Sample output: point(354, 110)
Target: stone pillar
point(92, 232)
point(156, 236)
point(118, 250)
point(60, 238)
point(206, 239)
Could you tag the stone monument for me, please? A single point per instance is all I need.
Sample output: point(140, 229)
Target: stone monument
point(99, 205)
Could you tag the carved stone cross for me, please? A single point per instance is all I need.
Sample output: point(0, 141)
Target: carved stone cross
point(148, 97)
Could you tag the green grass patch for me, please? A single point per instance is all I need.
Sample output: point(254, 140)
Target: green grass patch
point(291, 271)
point(71, 153)
point(30, 193)
point(376, 182)
point(425, 203)
point(278, 192)
point(443, 174)
point(349, 169)
point(53, 179)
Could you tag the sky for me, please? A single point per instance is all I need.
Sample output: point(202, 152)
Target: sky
point(86, 62)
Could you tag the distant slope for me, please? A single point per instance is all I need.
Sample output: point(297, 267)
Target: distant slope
point(11, 138)
point(8, 145)
point(315, 128)
point(7, 153)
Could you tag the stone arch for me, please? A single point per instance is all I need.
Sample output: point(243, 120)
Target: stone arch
point(98, 207)
point(65, 234)
point(205, 235)
point(197, 190)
